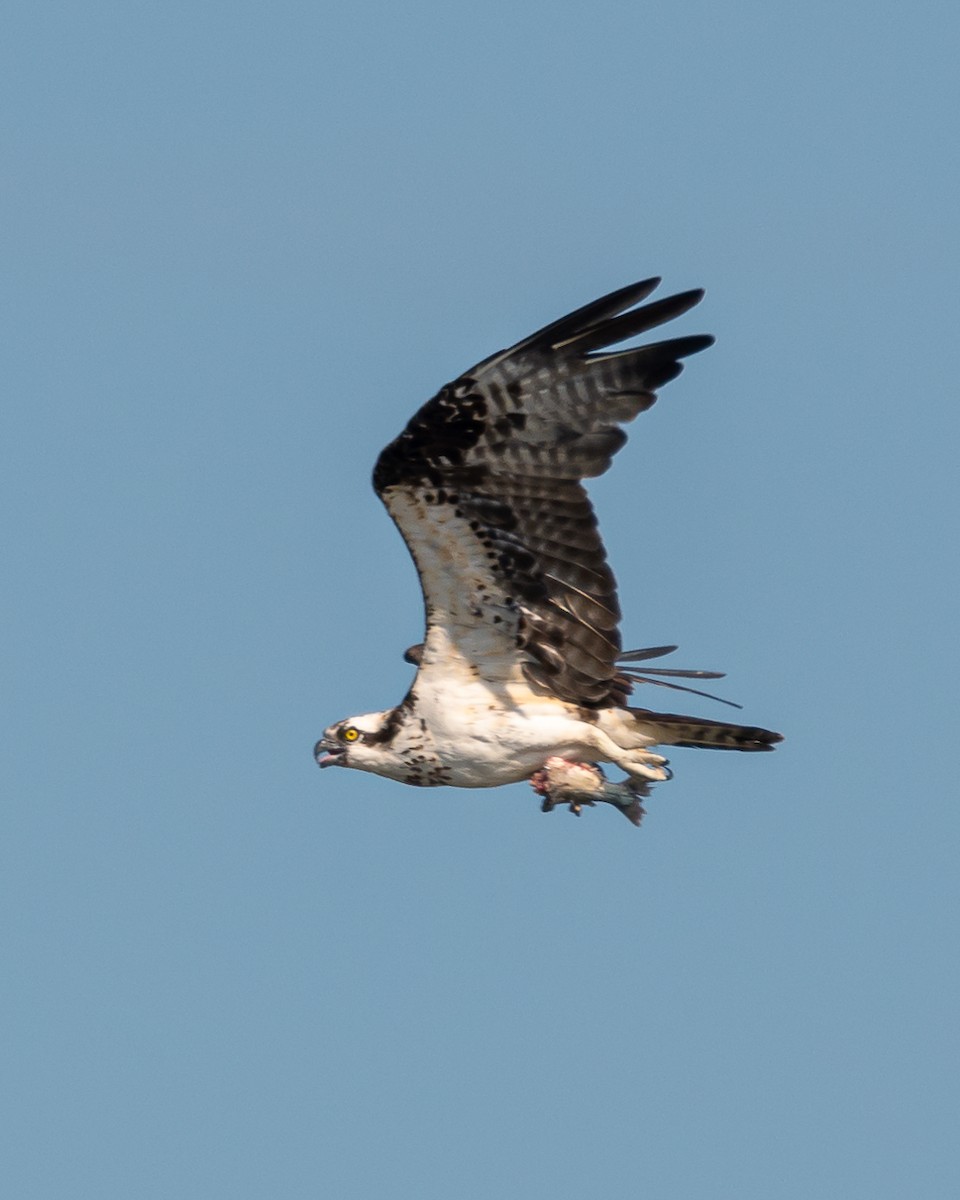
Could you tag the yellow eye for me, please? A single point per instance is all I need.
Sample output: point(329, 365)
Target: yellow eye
point(350, 734)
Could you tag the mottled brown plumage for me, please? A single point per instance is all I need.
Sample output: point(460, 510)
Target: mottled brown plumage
point(497, 458)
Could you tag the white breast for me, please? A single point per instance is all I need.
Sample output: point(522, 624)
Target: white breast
point(486, 735)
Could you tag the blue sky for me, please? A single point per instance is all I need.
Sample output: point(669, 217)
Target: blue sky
point(243, 243)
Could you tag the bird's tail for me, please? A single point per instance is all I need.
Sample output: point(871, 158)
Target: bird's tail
point(674, 730)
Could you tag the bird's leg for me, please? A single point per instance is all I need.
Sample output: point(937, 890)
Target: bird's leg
point(560, 781)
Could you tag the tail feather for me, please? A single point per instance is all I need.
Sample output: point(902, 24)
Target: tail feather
point(673, 729)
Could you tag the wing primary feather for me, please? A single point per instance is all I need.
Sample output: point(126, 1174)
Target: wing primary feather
point(593, 314)
point(589, 315)
point(679, 687)
point(629, 324)
point(676, 673)
point(647, 652)
point(681, 347)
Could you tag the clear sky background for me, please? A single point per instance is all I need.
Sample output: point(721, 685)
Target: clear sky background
point(242, 243)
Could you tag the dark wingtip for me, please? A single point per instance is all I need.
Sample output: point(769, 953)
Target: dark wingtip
point(693, 343)
point(645, 653)
point(644, 287)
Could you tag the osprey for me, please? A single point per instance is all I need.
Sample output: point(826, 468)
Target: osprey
point(521, 674)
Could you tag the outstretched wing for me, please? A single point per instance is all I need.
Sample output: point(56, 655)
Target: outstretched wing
point(485, 486)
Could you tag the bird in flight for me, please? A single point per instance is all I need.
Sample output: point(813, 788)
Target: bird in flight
point(521, 675)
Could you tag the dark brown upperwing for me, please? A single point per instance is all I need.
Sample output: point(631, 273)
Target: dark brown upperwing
point(506, 447)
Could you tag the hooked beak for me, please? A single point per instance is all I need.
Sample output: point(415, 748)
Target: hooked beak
point(328, 753)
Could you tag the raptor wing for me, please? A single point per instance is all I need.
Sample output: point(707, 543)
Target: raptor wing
point(485, 484)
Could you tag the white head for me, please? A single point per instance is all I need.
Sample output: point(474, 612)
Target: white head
point(361, 742)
